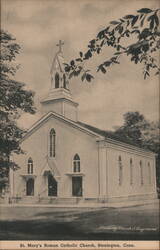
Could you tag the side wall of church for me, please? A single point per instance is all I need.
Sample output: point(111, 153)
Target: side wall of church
point(130, 174)
point(69, 141)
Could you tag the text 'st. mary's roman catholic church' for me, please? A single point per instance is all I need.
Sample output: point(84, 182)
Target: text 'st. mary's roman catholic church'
point(67, 161)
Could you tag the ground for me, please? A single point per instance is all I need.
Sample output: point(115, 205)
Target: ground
point(35, 223)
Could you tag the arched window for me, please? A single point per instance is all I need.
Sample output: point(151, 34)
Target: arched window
point(141, 172)
point(120, 169)
point(64, 81)
point(30, 166)
point(52, 145)
point(76, 163)
point(56, 80)
point(131, 171)
point(149, 173)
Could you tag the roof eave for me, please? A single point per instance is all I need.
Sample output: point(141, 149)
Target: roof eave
point(126, 145)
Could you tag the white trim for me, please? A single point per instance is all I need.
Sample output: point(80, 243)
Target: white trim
point(58, 99)
point(117, 145)
point(132, 195)
point(75, 174)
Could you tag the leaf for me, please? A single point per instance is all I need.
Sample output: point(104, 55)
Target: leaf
point(121, 20)
point(152, 24)
point(150, 17)
point(107, 63)
point(145, 47)
point(102, 43)
point(98, 50)
point(83, 77)
point(120, 29)
point(79, 60)
point(103, 70)
point(78, 72)
point(89, 77)
point(118, 53)
point(135, 31)
point(114, 22)
point(156, 19)
point(101, 34)
point(144, 10)
point(134, 20)
point(72, 63)
point(81, 54)
point(157, 73)
point(116, 62)
point(129, 16)
point(92, 41)
point(145, 33)
point(88, 55)
point(67, 68)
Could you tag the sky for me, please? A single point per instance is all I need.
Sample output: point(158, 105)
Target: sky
point(38, 25)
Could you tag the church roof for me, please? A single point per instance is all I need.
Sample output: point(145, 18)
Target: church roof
point(111, 135)
point(104, 135)
point(50, 114)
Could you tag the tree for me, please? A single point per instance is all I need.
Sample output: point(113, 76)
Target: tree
point(14, 100)
point(136, 36)
point(142, 133)
point(133, 128)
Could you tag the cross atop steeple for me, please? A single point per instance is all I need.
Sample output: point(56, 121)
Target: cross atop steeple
point(60, 45)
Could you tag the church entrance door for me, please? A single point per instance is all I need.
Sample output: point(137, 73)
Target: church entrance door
point(30, 187)
point(52, 186)
point(77, 186)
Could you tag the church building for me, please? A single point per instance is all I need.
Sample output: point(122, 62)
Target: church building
point(70, 162)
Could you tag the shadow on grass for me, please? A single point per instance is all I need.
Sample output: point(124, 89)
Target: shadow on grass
point(89, 225)
point(42, 230)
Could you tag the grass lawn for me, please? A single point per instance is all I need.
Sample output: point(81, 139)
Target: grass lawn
point(33, 223)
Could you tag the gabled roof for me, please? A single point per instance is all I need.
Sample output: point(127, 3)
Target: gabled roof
point(110, 136)
point(99, 134)
point(50, 114)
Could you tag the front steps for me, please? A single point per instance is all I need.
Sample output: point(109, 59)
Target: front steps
point(76, 202)
point(44, 200)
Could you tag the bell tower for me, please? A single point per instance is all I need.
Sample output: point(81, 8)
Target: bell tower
point(59, 98)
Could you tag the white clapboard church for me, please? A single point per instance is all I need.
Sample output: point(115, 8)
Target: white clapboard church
point(67, 161)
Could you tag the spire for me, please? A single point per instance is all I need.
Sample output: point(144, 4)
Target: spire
point(59, 98)
point(58, 76)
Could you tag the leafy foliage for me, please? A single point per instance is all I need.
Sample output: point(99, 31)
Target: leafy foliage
point(143, 28)
point(142, 133)
point(134, 124)
point(14, 100)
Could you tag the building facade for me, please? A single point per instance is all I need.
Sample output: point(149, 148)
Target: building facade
point(68, 161)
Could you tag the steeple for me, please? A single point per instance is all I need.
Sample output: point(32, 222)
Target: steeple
point(59, 98)
point(58, 75)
